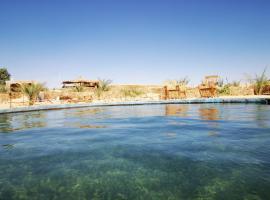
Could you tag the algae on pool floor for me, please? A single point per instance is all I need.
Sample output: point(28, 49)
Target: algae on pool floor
point(141, 152)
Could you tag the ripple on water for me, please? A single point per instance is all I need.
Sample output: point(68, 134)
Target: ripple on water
point(174, 151)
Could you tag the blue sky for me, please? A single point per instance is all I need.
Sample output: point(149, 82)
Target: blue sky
point(128, 41)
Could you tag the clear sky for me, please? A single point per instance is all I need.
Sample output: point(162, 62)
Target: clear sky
point(134, 41)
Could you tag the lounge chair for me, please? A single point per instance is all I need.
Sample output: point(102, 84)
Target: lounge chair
point(209, 87)
point(176, 93)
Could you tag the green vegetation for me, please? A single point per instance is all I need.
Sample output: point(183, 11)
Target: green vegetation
point(125, 173)
point(259, 82)
point(4, 76)
point(3, 89)
point(182, 82)
point(235, 83)
point(78, 88)
point(127, 153)
point(32, 91)
point(104, 86)
point(224, 90)
point(220, 82)
point(132, 92)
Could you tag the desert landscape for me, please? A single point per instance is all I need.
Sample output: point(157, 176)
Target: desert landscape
point(27, 93)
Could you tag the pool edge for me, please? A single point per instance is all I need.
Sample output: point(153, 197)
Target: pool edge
point(258, 100)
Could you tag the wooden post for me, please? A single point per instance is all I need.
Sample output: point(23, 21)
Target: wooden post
point(10, 99)
point(178, 91)
point(165, 92)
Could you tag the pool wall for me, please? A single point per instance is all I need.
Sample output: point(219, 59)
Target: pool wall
point(259, 100)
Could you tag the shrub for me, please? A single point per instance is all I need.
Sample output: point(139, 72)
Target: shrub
point(4, 76)
point(104, 85)
point(78, 88)
point(32, 91)
point(220, 82)
point(259, 82)
point(235, 83)
point(131, 92)
point(182, 82)
point(3, 88)
point(224, 90)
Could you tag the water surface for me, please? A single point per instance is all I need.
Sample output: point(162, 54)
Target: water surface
point(209, 151)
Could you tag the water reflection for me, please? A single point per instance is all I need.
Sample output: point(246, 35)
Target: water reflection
point(171, 135)
point(8, 146)
point(84, 112)
point(261, 117)
point(207, 113)
point(210, 114)
point(5, 123)
point(15, 122)
point(139, 155)
point(84, 126)
point(176, 110)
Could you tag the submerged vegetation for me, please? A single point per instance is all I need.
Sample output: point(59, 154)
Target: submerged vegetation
point(137, 152)
point(137, 176)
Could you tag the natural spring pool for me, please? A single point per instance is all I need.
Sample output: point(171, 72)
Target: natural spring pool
point(192, 151)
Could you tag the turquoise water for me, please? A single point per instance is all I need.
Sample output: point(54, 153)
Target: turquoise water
point(148, 152)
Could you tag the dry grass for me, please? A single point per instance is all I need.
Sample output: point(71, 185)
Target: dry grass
point(119, 93)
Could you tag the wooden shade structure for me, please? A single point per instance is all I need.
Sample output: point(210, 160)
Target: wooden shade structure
point(80, 82)
point(16, 86)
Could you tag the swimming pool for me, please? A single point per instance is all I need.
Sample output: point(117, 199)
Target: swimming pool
point(191, 151)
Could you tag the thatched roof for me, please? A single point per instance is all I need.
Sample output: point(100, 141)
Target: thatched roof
point(81, 80)
point(20, 82)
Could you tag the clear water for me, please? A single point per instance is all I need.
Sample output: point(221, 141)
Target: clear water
point(137, 152)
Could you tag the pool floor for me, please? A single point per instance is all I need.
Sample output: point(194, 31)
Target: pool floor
point(200, 151)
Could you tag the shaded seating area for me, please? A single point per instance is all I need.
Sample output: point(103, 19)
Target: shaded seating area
point(176, 93)
point(15, 93)
point(80, 82)
point(208, 88)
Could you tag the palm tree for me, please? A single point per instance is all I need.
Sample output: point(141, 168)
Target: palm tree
point(32, 91)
